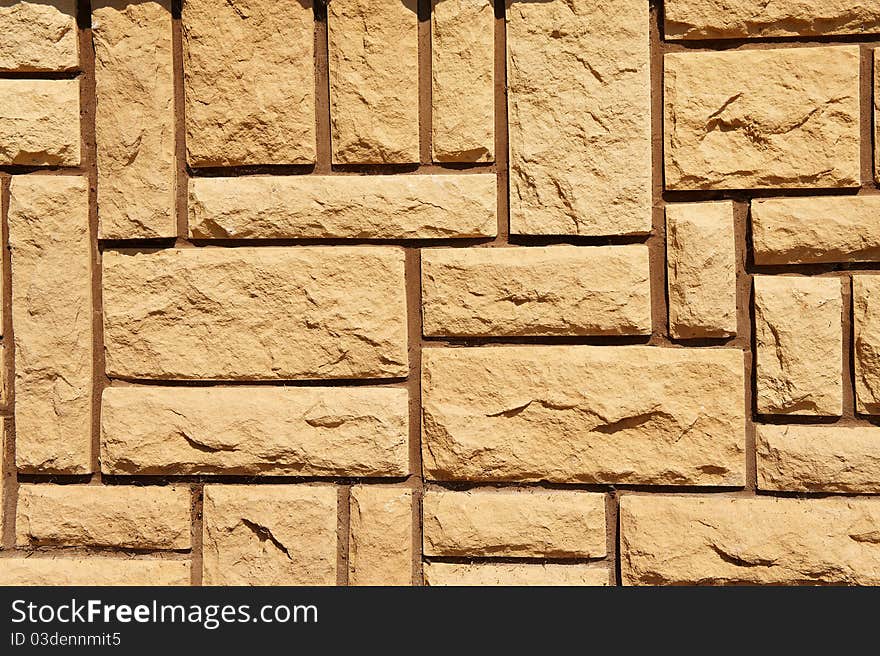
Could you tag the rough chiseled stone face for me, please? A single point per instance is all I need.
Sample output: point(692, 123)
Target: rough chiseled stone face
point(380, 536)
point(38, 35)
point(866, 330)
point(795, 125)
point(39, 122)
point(93, 570)
point(518, 574)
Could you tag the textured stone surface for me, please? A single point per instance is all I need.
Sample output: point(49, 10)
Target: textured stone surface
point(757, 540)
point(350, 206)
point(270, 535)
point(819, 458)
point(104, 516)
point(701, 266)
point(135, 118)
point(463, 78)
point(93, 571)
point(374, 81)
point(255, 313)
point(795, 125)
point(579, 115)
point(876, 114)
point(730, 19)
point(526, 522)
point(558, 413)
point(249, 81)
point(816, 229)
point(52, 315)
point(38, 35)
point(517, 574)
point(381, 536)
point(554, 290)
point(302, 431)
point(39, 122)
point(866, 332)
point(799, 345)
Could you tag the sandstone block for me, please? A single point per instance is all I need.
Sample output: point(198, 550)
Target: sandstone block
point(556, 413)
point(255, 313)
point(28, 571)
point(39, 122)
point(866, 330)
point(799, 345)
point(876, 114)
point(270, 535)
point(795, 125)
point(751, 540)
point(38, 35)
point(554, 290)
point(579, 117)
point(52, 314)
point(381, 535)
point(349, 206)
point(514, 574)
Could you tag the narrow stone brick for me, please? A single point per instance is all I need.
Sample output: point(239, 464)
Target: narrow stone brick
point(374, 81)
point(556, 413)
point(269, 535)
point(255, 313)
point(514, 574)
point(463, 80)
point(554, 290)
point(579, 117)
point(876, 114)
point(816, 229)
point(38, 36)
point(135, 118)
point(819, 458)
point(350, 206)
point(52, 315)
point(866, 329)
point(795, 125)
point(526, 522)
point(256, 431)
point(381, 531)
point(751, 540)
point(39, 122)
point(799, 345)
point(250, 82)
point(103, 516)
point(28, 571)
point(701, 263)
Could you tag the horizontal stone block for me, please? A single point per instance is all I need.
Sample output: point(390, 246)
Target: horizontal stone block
point(38, 36)
point(39, 122)
point(33, 571)
point(515, 574)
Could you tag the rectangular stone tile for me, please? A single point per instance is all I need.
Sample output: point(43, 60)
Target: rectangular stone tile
point(255, 313)
point(553, 290)
point(515, 574)
point(799, 345)
point(748, 540)
point(524, 522)
point(579, 113)
point(556, 413)
point(52, 315)
point(374, 81)
point(39, 122)
point(343, 206)
point(876, 114)
point(38, 35)
point(249, 77)
point(463, 80)
point(135, 118)
point(380, 536)
point(795, 125)
point(255, 431)
point(866, 346)
point(91, 570)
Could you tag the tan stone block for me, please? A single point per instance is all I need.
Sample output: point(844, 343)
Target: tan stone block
point(249, 81)
point(104, 516)
point(135, 118)
point(579, 117)
point(554, 290)
point(866, 332)
point(753, 540)
point(819, 458)
point(701, 265)
point(799, 345)
point(795, 125)
point(876, 114)
point(381, 534)
point(515, 574)
point(270, 535)
point(374, 81)
point(508, 522)
point(52, 315)
point(255, 431)
point(343, 206)
point(27, 571)
point(815, 229)
point(39, 122)
point(557, 413)
point(463, 80)
point(255, 313)
point(38, 35)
